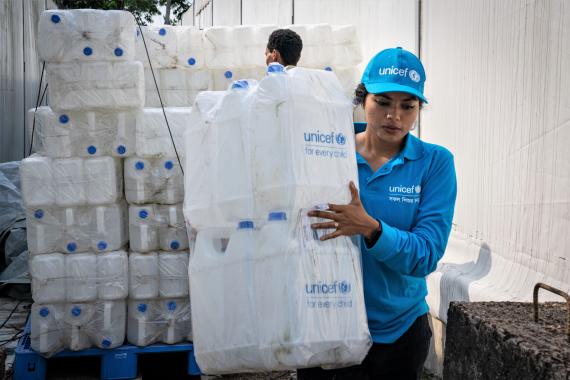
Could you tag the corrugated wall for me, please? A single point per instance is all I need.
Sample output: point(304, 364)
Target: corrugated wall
point(19, 72)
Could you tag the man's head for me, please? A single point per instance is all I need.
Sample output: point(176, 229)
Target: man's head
point(284, 46)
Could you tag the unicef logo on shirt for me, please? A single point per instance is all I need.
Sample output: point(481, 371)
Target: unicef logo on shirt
point(414, 76)
point(344, 287)
point(418, 189)
point(340, 139)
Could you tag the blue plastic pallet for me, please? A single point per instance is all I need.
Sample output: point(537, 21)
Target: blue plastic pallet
point(117, 363)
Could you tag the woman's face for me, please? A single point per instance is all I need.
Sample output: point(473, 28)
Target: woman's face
point(391, 115)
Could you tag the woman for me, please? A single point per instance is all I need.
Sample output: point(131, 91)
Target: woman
point(403, 213)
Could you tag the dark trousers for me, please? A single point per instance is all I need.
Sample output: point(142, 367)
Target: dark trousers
point(404, 359)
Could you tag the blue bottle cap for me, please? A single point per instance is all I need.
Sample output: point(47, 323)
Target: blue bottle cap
point(39, 213)
point(106, 343)
point(63, 119)
point(172, 305)
point(162, 31)
point(55, 19)
point(138, 33)
point(118, 52)
point(191, 61)
point(275, 67)
point(142, 307)
point(277, 215)
point(88, 51)
point(102, 245)
point(168, 165)
point(143, 214)
point(91, 149)
point(228, 74)
point(121, 149)
point(139, 165)
point(174, 244)
point(241, 84)
point(243, 224)
point(328, 68)
point(76, 311)
point(71, 247)
point(44, 312)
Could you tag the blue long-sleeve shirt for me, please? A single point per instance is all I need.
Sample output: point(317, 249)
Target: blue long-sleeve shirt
point(413, 197)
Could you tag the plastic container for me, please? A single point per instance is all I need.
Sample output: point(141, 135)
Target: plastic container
point(77, 325)
point(43, 228)
point(112, 275)
point(144, 224)
point(172, 228)
point(81, 277)
point(48, 277)
point(38, 187)
point(70, 181)
point(104, 182)
point(47, 328)
point(109, 324)
point(173, 274)
point(108, 227)
point(177, 320)
point(142, 326)
point(76, 223)
point(143, 275)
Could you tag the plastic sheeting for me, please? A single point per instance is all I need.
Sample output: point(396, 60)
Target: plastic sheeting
point(499, 90)
point(13, 245)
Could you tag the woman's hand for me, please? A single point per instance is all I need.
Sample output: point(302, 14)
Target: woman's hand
point(347, 220)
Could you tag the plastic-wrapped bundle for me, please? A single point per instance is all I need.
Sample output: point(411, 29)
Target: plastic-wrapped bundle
point(191, 51)
point(153, 227)
point(153, 137)
point(86, 35)
point(223, 78)
point(158, 320)
point(83, 134)
point(161, 43)
point(153, 180)
point(317, 45)
point(309, 294)
point(95, 85)
point(112, 275)
point(346, 46)
point(77, 229)
point(47, 328)
point(143, 275)
point(236, 47)
point(288, 145)
point(36, 175)
point(48, 278)
point(101, 324)
point(178, 87)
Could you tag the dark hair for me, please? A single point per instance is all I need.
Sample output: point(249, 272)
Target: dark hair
point(361, 92)
point(287, 43)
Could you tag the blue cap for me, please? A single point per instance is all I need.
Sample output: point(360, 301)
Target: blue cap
point(191, 61)
point(395, 70)
point(162, 31)
point(139, 165)
point(118, 52)
point(143, 214)
point(228, 74)
point(241, 84)
point(106, 343)
point(171, 305)
point(245, 224)
point(275, 67)
point(87, 51)
point(44, 312)
point(102, 245)
point(168, 165)
point(63, 119)
point(328, 68)
point(76, 311)
point(55, 19)
point(121, 149)
point(91, 149)
point(142, 307)
point(277, 215)
point(39, 213)
point(71, 247)
point(174, 245)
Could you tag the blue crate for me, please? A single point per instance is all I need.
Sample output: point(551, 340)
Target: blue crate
point(117, 363)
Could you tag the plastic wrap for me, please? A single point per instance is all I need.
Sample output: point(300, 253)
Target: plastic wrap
point(178, 87)
point(349, 78)
point(223, 78)
point(161, 43)
point(155, 274)
point(236, 46)
point(81, 86)
point(86, 35)
point(153, 180)
point(68, 182)
point(153, 136)
point(276, 298)
point(82, 134)
point(286, 144)
point(153, 227)
point(159, 320)
point(79, 277)
point(317, 45)
point(191, 51)
point(77, 229)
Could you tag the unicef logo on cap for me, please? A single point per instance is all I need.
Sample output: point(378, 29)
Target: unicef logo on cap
point(415, 76)
point(418, 189)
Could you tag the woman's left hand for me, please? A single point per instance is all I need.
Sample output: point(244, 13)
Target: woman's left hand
point(347, 220)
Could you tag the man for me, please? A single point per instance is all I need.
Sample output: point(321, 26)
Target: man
point(284, 46)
